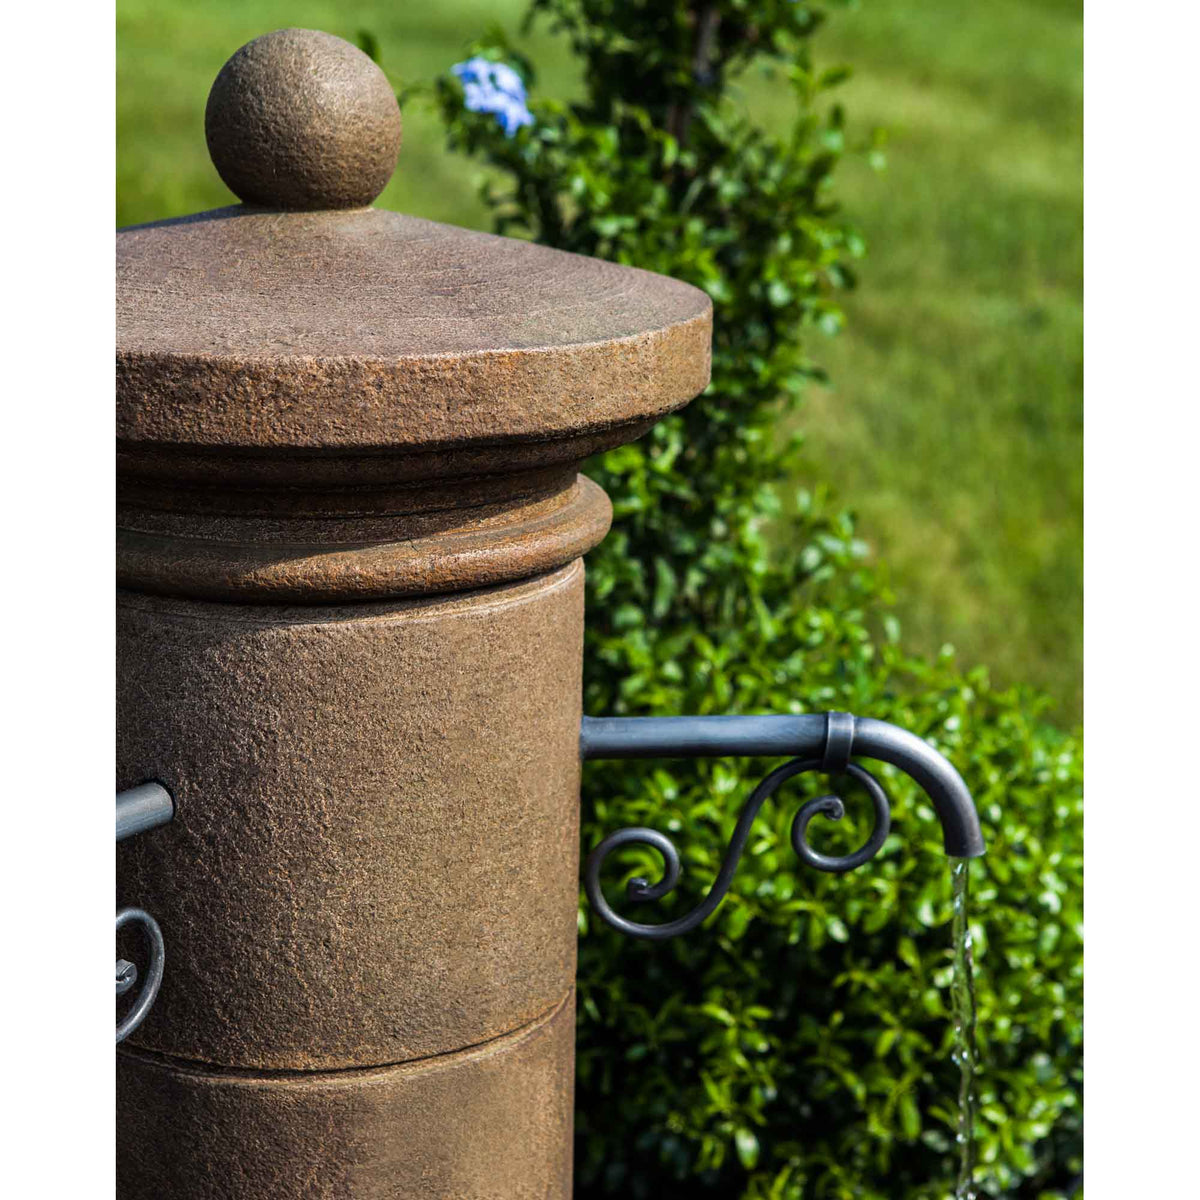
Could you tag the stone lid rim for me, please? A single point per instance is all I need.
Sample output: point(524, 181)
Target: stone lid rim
point(417, 402)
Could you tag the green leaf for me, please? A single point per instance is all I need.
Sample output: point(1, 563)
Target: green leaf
point(718, 1014)
point(779, 293)
point(747, 1148)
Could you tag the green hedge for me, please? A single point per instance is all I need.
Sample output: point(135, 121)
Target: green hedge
point(798, 1045)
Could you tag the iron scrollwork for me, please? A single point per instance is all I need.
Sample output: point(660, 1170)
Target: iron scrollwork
point(127, 972)
point(825, 743)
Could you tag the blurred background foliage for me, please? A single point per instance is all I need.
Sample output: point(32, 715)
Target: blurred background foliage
point(799, 1046)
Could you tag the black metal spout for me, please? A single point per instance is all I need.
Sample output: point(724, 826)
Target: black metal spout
point(823, 742)
point(831, 738)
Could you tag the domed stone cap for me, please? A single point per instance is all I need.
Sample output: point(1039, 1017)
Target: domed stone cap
point(290, 338)
point(300, 119)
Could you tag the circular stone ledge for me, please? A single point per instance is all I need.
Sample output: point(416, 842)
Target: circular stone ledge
point(208, 560)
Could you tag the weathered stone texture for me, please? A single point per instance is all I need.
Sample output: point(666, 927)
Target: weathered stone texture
point(491, 1123)
point(300, 119)
point(374, 856)
point(369, 329)
point(338, 559)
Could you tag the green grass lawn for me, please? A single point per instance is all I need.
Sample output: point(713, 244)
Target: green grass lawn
point(954, 423)
point(954, 426)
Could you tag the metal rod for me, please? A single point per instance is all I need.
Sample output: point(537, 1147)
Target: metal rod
point(763, 736)
point(143, 807)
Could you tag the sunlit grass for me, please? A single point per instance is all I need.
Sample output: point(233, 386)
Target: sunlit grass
point(955, 421)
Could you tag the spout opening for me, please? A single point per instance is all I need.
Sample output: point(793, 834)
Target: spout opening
point(968, 845)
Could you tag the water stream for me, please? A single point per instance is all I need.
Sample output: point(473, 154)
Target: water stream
point(966, 1052)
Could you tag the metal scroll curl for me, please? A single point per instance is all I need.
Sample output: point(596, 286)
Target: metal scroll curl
point(642, 891)
point(127, 972)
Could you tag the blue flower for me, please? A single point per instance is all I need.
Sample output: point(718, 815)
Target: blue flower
point(493, 87)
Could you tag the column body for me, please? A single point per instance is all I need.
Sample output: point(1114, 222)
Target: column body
point(369, 890)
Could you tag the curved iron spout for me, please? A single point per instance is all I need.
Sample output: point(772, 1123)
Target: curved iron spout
point(832, 737)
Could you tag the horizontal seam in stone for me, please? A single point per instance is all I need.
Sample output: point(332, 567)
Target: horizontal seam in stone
point(216, 1071)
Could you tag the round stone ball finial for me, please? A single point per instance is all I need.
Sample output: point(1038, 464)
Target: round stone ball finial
point(299, 119)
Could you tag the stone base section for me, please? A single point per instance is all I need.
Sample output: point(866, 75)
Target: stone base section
point(489, 1123)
